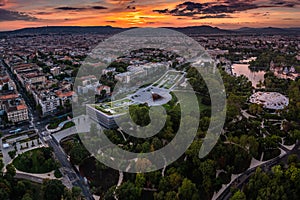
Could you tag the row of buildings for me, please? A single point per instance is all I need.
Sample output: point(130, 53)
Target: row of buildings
point(91, 84)
point(134, 72)
point(284, 72)
point(12, 106)
point(48, 93)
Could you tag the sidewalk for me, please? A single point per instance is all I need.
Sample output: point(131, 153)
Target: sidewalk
point(49, 175)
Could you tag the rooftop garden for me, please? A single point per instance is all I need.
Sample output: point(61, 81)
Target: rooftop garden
point(114, 107)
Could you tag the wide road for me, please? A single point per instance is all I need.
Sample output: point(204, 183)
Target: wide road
point(74, 177)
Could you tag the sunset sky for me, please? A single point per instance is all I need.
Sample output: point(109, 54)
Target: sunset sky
point(228, 14)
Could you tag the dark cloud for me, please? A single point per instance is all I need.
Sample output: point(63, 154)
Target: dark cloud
point(7, 15)
point(66, 8)
point(3, 2)
point(70, 8)
point(111, 21)
point(99, 7)
point(130, 7)
point(283, 3)
point(192, 8)
point(213, 9)
point(213, 16)
point(43, 13)
point(289, 19)
point(258, 14)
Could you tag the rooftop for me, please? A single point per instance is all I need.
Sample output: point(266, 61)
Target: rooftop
point(270, 100)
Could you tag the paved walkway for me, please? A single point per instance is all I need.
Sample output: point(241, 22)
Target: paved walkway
point(39, 178)
point(49, 175)
point(247, 115)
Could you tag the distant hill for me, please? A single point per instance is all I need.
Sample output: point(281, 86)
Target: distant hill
point(268, 30)
point(67, 30)
point(202, 30)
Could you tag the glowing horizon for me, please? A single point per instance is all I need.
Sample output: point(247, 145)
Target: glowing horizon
point(226, 14)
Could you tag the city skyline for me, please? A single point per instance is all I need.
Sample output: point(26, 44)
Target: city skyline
point(226, 14)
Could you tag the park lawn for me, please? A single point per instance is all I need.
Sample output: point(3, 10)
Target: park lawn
point(37, 161)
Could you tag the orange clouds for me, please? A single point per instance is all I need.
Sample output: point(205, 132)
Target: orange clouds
point(128, 13)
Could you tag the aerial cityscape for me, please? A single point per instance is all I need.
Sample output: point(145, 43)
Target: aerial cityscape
point(123, 100)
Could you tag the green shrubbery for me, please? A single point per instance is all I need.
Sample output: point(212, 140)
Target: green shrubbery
point(36, 161)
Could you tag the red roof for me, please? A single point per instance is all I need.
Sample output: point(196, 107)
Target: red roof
point(9, 96)
point(21, 107)
point(66, 94)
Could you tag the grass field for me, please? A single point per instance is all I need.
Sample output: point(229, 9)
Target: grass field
point(36, 161)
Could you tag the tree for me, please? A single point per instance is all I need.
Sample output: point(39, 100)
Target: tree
point(78, 153)
point(142, 164)
point(188, 190)
point(1, 164)
point(109, 195)
point(157, 144)
point(103, 93)
point(53, 189)
point(27, 196)
point(255, 109)
point(208, 168)
point(175, 179)
point(140, 114)
point(171, 196)
point(67, 194)
point(10, 170)
point(39, 109)
point(76, 192)
point(292, 159)
point(20, 188)
point(159, 196)
point(128, 191)
point(140, 180)
point(4, 192)
point(238, 196)
point(5, 87)
point(12, 154)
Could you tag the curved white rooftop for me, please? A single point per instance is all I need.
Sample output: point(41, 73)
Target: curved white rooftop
point(270, 100)
point(144, 95)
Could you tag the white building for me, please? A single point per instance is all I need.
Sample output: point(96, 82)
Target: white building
point(48, 101)
point(270, 100)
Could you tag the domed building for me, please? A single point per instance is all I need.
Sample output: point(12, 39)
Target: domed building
point(270, 100)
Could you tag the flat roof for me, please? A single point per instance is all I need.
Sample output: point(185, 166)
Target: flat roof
point(162, 87)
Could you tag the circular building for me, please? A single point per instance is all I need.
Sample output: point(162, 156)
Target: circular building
point(270, 100)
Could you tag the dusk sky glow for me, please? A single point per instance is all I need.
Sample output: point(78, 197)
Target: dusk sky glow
point(228, 14)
